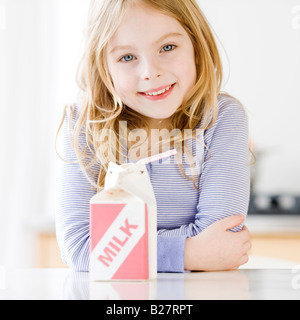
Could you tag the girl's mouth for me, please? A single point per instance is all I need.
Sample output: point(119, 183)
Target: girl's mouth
point(159, 93)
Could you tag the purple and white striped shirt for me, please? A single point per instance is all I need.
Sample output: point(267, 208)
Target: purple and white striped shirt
point(182, 210)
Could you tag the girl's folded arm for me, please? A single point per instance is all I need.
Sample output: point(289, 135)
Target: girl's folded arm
point(224, 185)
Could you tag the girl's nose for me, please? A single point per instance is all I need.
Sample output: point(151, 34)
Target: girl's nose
point(151, 69)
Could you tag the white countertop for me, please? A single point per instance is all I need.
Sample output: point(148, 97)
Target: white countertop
point(261, 278)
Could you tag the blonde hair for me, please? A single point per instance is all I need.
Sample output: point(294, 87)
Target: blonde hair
point(101, 107)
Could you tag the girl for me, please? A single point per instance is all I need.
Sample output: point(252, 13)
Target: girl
point(153, 66)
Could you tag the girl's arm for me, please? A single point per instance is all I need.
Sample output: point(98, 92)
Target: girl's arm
point(216, 248)
point(223, 192)
point(73, 207)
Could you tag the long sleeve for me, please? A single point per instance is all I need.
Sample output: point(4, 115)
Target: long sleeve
point(224, 184)
point(72, 214)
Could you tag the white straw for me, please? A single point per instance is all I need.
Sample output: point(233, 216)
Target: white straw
point(160, 156)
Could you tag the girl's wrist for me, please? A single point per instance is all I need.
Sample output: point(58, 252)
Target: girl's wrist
point(190, 261)
point(187, 254)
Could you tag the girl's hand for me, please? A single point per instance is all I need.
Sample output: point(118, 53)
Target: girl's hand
point(216, 248)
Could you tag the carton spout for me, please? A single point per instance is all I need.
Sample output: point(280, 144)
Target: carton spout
point(133, 179)
point(131, 176)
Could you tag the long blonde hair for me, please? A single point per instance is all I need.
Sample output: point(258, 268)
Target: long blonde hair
point(101, 109)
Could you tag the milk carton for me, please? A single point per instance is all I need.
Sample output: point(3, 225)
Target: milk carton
point(123, 225)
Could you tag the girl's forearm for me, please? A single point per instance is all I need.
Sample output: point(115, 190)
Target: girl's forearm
point(192, 256)
point(216, 248)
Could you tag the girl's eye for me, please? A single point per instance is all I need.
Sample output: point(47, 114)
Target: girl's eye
point(127, 58)
point(168, 47)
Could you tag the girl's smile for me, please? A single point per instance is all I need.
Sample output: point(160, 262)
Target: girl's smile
point(158, 93)
point(151, 60)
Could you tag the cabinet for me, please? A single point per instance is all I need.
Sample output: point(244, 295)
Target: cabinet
point(275, 236)
point(281, 246)
point(47, 252)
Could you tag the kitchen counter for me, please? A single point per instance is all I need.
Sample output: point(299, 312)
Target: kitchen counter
point(259, 279)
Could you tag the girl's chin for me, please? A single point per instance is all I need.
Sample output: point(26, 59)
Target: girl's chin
point(156, 115)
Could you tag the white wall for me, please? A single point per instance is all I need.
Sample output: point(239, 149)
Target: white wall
point(41, 42)
point(262, 41)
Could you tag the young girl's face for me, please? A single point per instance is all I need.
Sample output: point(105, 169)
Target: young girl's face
point(152, 62)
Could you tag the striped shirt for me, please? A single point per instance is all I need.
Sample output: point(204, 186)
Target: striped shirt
point(223, 189)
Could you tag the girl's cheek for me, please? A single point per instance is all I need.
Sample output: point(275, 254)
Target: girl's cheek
point(186, 65)
point(120, 82)
point(128, 83)
point(124, 88)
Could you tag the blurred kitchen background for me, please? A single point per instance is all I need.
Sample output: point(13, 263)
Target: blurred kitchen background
point(41, 42)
